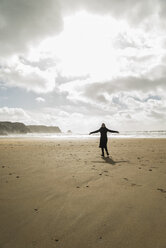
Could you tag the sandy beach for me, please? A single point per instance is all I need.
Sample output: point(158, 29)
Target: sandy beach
point(61, 193)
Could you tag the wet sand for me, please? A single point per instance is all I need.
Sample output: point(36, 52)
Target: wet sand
point(63, 194)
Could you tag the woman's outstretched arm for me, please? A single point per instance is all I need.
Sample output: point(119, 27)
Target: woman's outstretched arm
point(94, 132)
point(112, 131)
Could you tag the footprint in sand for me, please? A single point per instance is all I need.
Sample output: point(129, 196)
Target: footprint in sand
point(55, 239)
point(162, 190)
point(34, 243)
point(134, 184)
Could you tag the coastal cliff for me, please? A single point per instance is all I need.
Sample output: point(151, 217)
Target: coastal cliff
point(13, 127)
point(43, 129)
point(20, 128)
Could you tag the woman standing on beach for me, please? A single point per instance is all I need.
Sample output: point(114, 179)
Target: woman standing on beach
point(103, 138)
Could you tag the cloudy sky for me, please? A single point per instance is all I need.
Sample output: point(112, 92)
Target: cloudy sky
point(78, 63)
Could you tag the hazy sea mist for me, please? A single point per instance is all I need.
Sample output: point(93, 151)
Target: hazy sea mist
point(123, 134)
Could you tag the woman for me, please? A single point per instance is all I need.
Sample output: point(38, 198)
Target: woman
point(103, 138)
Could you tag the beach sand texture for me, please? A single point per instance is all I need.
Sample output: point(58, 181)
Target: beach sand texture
point(61, 193)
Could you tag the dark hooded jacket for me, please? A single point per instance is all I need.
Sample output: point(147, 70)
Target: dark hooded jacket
point(103, 136)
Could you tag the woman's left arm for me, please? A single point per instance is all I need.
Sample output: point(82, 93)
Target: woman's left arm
point(94, 132)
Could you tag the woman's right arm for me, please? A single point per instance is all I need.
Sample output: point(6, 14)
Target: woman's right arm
point(112, 131)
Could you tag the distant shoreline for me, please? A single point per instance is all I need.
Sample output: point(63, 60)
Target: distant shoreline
point(63, 136)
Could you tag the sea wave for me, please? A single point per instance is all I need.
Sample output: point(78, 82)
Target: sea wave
point(122, 134)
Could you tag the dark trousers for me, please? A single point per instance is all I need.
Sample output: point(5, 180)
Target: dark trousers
point(102, 150)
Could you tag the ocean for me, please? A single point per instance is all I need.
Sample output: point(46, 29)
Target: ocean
point(123, 134)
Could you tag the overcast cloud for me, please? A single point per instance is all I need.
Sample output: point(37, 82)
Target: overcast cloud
point(83, 62)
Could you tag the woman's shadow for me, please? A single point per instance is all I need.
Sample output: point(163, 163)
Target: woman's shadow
point(109, 160)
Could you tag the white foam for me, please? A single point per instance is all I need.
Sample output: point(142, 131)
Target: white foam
point(124, 134)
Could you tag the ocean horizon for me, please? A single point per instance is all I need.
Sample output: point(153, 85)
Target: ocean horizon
point(122, 134)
